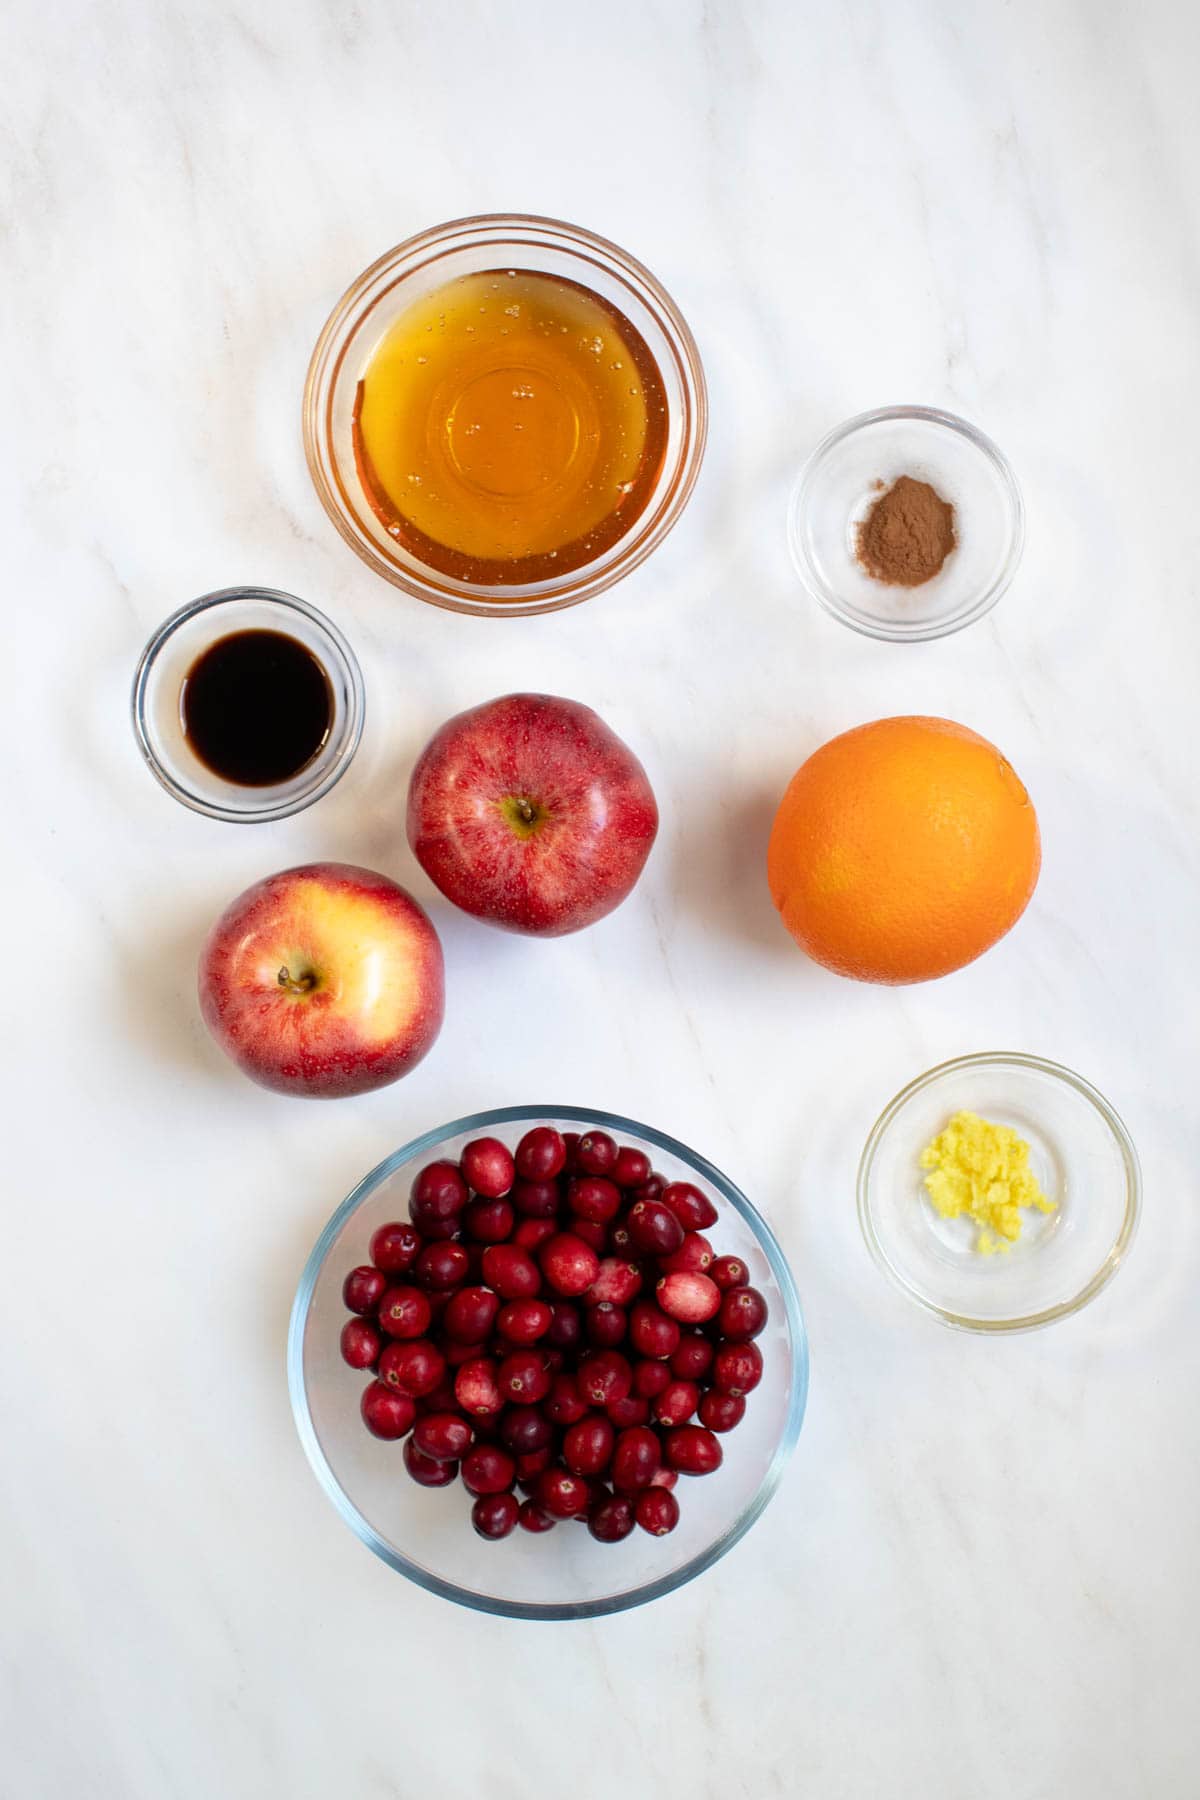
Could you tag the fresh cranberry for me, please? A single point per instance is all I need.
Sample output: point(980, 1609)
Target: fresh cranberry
point(541, 1153)
point(475, 1388)
point(604, 1375)
point(533, 1517)
point(619, 1241)
point(531, 1234)
point(692, 1450)
point(470, 1314)
point(445, 1436)
point(631, 1168)
point(720, 1412)
point(427, 1470)
point(530, 1464)
point(571, 1144)
point(677, 1402)
point(438, 1196)
point(611, 1520)
point(587, 1446)
point(650, 1378)
point(595, 1153)
point(591, 1197)
point(415, 1366)
point(440, 1399)
point(404, 1312)
point(695, 1252)
point(524, 1321)
point(536, 1199)
point(360, 1344)
point(363, 1288)
point(495, 1515)
point(654, 1229)
point(564, 1404)
point(652, 1188)
point(511, 1271)
point(592, 1233)
point(617, 1281)
point(657, 1511)
point(737, 1368)
point(457, 1354)
point(488, 1221)
point(630, 1409)
point(667, 1478)
point(523, 1378)
point(651, 1332)
point(569, 1265)
point(487, 1469)
point(395, 1248)
point(688, 1297)
point(636, 1455)
point(386, 1413)
point(694, 1210)
point(743, 1314)
point(566, 1327)
point(562, 1493)
point(442, 1266)
point(729, 1272)
point(692, 1357)
point(525, 1428)
point(488, 1167)
point(605, 1325)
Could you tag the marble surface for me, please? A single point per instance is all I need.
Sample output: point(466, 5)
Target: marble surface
point(980, 1577)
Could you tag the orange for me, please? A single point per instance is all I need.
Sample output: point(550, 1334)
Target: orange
point(902, 850)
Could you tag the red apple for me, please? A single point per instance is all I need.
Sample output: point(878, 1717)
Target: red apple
point(530, 813)
point(323, 980)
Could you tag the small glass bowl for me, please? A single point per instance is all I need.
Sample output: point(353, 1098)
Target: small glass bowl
point(427, 1535)
point(469, 246)
point(1081, 1155)
point(158, 687)
point(843, 478)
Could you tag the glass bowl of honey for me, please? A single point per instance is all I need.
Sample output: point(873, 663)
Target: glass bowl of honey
point(505, 415)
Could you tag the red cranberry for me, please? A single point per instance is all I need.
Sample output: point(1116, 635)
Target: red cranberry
point(720, 1412)
point(535, 1518)
point(729, 1272)
point(677, 1402)
point(438, 1196)
point(695, 1252)
point(631, 1168)
point(525, 1428)
point(604, 1375)
point(651, 1332)
point(395, 1248)
point(605, 1325)
point(569, 1265)
point(587, 1446)
point(456, 1354)
point(470, 1314)
point(650, 1378)
point(571, 1144)
point(530, 1464)
point(531, 1234)
point(523, 1377)
point(652, 1188)
point(566, 1327)
point(363, 1289)
point(442, 1398)
point(488, 1167)
point(540, 1154)
point(694, 1210)
point(386, 1413)
point(617, 1281)
point(692, 1450)
point(487, 1469)
point(442, 1266)
point(495, 1515)
point(657, 1511)
point(564, 1404)
point(595, 1153)
point(737, 1368)
point(404, 1312)
point(692, 1356)
point(427, 1470)
point(654, 1229)
point(630, 1409)
point(619, 1241)
point(592, 1233)
point(743, 1314)
point(415, 1366)
point(688, 1297)
point(511, 1271)
point(524, 1321)
point(445, 1436)
point(611, 1520)
point(360, 1344)
point(666, 1478)
point(475, 1388)
point(562, 1493)
point(536, 1199)
point(635, 1458)
point(488, 1221)
point(591, 1197)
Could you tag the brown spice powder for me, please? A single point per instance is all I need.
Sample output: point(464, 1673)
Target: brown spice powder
point(907, 535)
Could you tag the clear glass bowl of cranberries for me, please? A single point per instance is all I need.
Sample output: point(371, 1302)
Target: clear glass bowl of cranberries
point(578, 1328)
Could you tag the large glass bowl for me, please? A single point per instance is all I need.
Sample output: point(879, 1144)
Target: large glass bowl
point(466, 247)
point(426, 1534)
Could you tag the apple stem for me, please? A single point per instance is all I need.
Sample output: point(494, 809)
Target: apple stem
point(296, 984)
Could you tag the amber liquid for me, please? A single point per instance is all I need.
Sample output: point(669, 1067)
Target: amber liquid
point(256, 707)
point(510, 427)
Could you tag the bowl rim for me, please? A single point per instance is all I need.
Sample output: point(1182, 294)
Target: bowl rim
point(828, 597)
point(1115, 1256)
point(436, 1584)
point(490, 229)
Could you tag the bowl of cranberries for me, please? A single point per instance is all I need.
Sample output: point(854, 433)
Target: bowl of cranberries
point(574, 1325)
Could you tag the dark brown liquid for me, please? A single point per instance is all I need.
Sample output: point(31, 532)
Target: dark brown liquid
point(256, 707)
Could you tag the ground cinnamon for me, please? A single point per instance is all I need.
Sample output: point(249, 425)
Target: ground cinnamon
point(907, 535)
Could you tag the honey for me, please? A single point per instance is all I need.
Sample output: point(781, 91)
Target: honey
point(510, 427)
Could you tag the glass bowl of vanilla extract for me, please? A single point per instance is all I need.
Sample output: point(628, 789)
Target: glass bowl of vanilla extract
point(248, 704)
point(505, 414)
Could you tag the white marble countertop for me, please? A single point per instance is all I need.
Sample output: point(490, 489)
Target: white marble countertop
point(980, 1577)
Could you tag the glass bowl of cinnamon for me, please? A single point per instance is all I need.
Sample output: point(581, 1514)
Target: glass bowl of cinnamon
point(906, 523)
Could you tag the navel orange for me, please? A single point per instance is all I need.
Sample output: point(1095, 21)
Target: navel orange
point(902, 850)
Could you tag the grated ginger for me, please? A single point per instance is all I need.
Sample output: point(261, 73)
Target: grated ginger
point(982, 1170)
